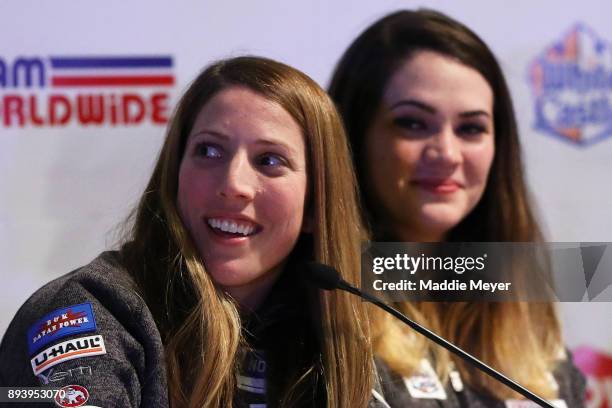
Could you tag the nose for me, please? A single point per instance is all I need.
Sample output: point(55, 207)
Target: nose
point(239, 181)
point(444, 148)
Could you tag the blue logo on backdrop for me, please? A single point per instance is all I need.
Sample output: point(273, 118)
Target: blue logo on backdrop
point(571, 82)
point(61, 323)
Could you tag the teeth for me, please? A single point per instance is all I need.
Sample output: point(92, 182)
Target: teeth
point(231, 226)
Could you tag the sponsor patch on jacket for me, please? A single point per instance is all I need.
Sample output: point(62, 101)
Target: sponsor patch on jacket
point(455, 380)
point(253, 376)
point(425, 384)
point(61, 323)
point(530, 404)
point(52, 376)
point(68, 350)
point(72, 396)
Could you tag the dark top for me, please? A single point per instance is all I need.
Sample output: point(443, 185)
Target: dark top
point(91, 330)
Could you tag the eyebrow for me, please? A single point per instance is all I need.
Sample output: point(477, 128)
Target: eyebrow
point(218, 135)
point(266, 142)
point(430, 109)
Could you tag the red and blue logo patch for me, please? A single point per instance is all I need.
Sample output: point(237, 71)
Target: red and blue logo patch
point(571, 82)
point(61, 323)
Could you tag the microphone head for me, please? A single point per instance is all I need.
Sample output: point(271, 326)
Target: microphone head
point(322, 276)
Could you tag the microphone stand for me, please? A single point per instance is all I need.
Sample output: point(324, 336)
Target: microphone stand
point(343, 285)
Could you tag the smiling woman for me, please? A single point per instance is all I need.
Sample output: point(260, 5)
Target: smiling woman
point(242, 190)
point(436, 146)
point(437, 150)
point(202, 305)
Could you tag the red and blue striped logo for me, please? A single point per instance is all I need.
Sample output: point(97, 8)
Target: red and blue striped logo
point(86, 90)
point(111, 71)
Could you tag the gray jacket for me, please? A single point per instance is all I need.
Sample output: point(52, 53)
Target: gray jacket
point(91, 328)
point(456, 395)
point(128, 372)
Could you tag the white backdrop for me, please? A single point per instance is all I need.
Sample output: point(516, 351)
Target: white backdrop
point(63, 189)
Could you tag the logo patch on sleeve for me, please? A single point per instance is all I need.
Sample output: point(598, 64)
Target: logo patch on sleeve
point(61, 323)
point(68, 350)
point(72, 396)
point(425, 383)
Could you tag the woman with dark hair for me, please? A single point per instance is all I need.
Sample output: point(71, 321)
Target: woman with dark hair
point(436, 147)
point(201, 306)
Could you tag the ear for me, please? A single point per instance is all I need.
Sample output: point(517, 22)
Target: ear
point(308, 222)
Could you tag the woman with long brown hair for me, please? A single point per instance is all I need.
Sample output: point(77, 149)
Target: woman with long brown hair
point(202, 305)
point(436, 147)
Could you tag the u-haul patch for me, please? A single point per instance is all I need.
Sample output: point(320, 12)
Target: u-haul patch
point(68, 350)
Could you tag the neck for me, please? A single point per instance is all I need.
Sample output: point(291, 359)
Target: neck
point(248, 302)
point(249, 297)
point(412, 234)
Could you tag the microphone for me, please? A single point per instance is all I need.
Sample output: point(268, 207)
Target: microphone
point(325, 277)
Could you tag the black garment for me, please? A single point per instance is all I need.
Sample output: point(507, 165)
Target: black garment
point(282, 345)
point(131, 372)
point(571, 389)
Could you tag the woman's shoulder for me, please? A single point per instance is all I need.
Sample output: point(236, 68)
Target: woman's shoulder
point(89, 328)
point(425, 389)
point(105, 271)
point(572, 383)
